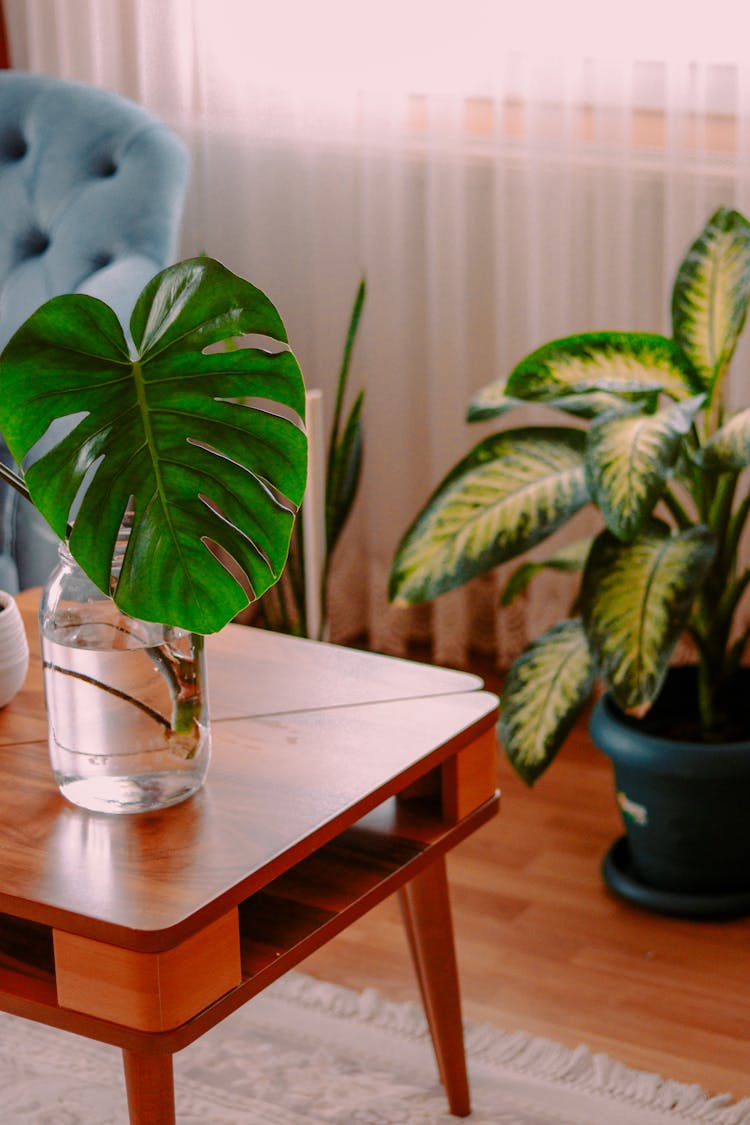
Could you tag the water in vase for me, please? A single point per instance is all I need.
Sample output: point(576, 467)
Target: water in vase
point(128, 729)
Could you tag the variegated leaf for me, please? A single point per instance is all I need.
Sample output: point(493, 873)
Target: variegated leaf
point(592, 404)
point(569, 559)
point(629, 459)
point(490, 402)
point(613, 362)
point(513, 490)
point(710, 295)
point(636, 600)
point(729, 448)
point(545, 691)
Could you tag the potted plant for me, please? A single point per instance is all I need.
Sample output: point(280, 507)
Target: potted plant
point(171, 468)
point(651, 444)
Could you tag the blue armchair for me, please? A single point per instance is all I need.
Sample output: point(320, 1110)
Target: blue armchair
point(91, 194)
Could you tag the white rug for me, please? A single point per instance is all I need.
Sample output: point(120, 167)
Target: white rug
point(307, 1053)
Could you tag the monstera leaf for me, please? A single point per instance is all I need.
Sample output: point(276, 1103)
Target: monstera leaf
point(197, 439)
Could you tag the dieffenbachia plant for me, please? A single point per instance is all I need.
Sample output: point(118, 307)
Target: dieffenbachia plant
point(205, 444)
point(655, 450)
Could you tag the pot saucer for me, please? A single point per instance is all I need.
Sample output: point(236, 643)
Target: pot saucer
point(620, 877)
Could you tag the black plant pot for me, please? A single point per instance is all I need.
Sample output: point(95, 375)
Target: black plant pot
point(685, 806)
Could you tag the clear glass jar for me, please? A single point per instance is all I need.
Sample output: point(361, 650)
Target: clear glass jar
point(126, 699)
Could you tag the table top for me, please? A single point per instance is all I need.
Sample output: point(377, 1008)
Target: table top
point(307, 738)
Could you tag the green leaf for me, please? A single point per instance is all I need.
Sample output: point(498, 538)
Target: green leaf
point(343, 377)
point(592, 404)
point(344, 473)
point(491, 402)
point(513, 490)
point(636, 600)
point(629, 459)
point(162, 426)
point(613, 362)
point(545, 692)
point(711, 292)
point(728, 451)
point(570, 558)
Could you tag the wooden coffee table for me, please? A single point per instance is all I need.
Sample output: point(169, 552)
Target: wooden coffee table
point(337, 778)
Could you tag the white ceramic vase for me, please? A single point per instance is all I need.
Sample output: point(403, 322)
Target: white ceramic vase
point(14, 649)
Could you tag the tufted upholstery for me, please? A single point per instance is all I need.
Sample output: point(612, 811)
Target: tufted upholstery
point(92, 189)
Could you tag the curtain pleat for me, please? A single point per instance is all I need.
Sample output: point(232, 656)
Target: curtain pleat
point(497, 185)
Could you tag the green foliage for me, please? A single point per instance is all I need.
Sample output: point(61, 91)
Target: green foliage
point(636, 599)
point(656, 454)
point(285, 609)
point(546, 688)
point(159, 425)
point(570, 558)
point(511, 491)
point(709, 300)
point(630, 456)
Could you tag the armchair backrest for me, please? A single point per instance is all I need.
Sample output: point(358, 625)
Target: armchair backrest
point(91, 192)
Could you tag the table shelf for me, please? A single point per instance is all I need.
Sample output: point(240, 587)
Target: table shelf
point(279, 926)
point(341, 881)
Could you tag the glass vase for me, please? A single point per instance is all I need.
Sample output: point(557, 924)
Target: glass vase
point(126, 699)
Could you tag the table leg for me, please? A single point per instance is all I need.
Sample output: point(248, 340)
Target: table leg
point(150, 1085)
point(426, 1002)
point(429, 928)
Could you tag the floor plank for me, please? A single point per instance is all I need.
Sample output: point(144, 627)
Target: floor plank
point(544, 946)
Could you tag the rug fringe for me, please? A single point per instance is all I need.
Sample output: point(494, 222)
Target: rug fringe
point(522, 1053)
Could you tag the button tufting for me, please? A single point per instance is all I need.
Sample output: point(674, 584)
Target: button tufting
point(34, 243)
point(107, 167)
point(102, 260)
point(13, 144)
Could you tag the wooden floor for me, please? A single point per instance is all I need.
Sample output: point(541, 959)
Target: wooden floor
point(543, 946)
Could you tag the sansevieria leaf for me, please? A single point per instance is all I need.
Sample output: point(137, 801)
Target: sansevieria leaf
point(629, 459)
point(569, 558)
point(635, 602)
point(612, 362)
point(344, 471)
point(513, 489)
point(545, 691)
point(209, 476)
point(345, 444)
point(711, 292)
point(729, 449)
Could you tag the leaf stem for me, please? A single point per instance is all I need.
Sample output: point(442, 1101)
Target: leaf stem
point(15, 481)
point(155, 715)
point(681, 517)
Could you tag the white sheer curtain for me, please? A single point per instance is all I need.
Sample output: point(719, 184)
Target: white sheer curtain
point(501, 177)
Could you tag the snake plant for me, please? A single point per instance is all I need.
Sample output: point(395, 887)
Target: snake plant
point(643, 433)
point(204, 443)
point(284, 608)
